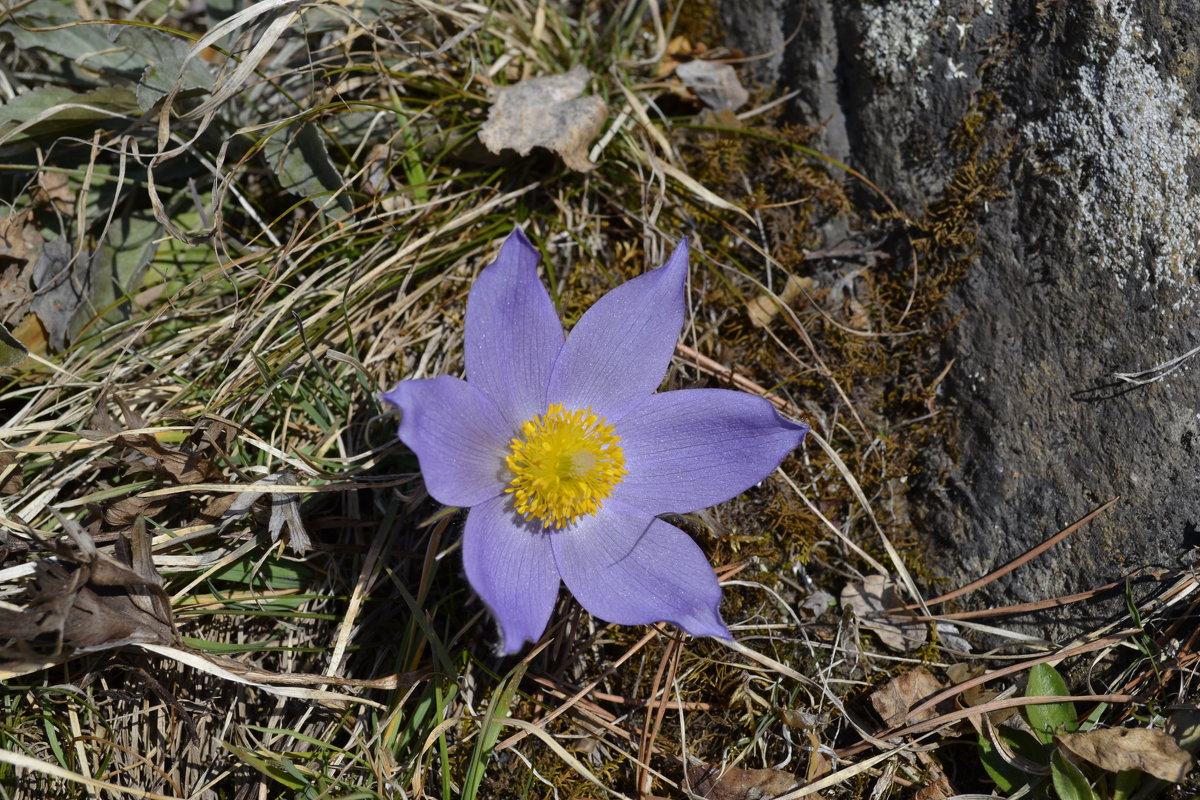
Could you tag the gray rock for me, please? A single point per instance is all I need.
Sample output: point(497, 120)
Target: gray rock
point(1088, 268)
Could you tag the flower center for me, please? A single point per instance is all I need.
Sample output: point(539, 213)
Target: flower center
point(564, 467)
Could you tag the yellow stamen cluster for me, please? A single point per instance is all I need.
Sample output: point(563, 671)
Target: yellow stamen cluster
point(568, 462)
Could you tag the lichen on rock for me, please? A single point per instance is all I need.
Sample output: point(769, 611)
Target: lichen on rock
point(1123, 146)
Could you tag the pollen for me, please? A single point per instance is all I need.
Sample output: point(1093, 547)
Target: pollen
point(566, 464)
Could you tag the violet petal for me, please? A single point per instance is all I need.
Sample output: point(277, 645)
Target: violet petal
point(513, 333)
point(625, 566)
point(458, 435)
point(509, 564)
point(619, 351)
point(695, 448)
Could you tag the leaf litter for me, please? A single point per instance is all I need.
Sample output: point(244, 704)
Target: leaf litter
point(869, 599)
point(714, 84)
point(1152, 751)
point(82, 600)
point(546, 112)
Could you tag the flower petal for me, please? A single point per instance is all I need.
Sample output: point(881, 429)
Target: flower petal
point(513, 333)
point(509, 564)
point(694, 448)
point(625, 566)
point(620, 349)
point(458, 435)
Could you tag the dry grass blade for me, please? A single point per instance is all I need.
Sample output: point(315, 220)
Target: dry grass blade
point(284, 685)
point(22, 761)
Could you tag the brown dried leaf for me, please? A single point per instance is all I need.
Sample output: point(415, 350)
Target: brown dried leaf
point(85, 600)
point(127, 510)
point(546, 112)
point(819, 764)
point(11, 546)
point(11, 479)
point(678, 48)
point(167, 462)
point(31, 333)
point(976, 695)
point(20, 243)
point(1115, 749)
point(711, 783)
point(893, 700)
point(714, 84)
point(285, 510)
point(937, 789)
point(868, 601)
point(54, 192)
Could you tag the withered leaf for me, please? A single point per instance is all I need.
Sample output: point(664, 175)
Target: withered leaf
point(679, 47)
point(11, 480)
point(61, 282)
point(127, 510)
point(168, 462)
point(714, 84)
point(11, 546)
point(1115, 749)
point(84, 600)
point(711, 783)
point(869, 599)
point(937, 789)
point(20, 243)
point(546, 112)
point(283, 684)
point(893, 700)
point(54, 191)
point(285, 510)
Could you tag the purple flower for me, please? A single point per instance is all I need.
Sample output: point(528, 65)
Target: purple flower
point(566, 456)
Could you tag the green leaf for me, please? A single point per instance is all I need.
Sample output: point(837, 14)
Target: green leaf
point(12, 352)
point(157, 61)
point(301, 162)
point(489, 731)
point(1008, 777)
point(1186, 724)
point(1069, 782)
point(86, 44)
point(1046, 718)
point(271, 575)
point(53, 111)
point(118, 265)
point(167, 64)
point(267, 768)
point(1126, 783)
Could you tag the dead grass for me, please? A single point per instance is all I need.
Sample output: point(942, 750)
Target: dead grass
point(320, 212)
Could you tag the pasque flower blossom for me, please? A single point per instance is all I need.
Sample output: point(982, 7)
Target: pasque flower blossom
point(565, 455)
